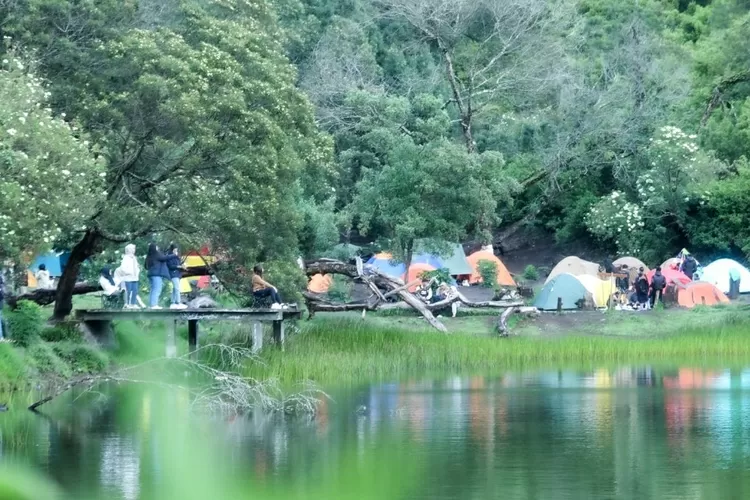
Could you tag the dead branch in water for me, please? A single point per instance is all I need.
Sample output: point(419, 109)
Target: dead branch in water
point(226, 391)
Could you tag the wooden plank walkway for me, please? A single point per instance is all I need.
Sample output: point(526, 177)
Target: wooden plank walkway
point(98, 322)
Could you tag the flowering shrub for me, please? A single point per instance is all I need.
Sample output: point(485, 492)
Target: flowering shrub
point(678, 175)
point(50, 182)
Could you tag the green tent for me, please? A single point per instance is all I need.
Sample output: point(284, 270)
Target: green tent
point(568, 288)
point(454, 260)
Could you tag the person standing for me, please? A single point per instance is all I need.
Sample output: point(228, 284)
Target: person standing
point(129, 273)
point(689, 267)
point(641, 289)
point(174, 264)
point(263, 289)
point(42, 277)
point(156, 265)
point(734, 284)
point(658, 284)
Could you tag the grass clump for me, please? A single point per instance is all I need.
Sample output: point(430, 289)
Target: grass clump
point(531, 273)
point(46, 360)
point(82, 358)
point(25, 323)
point(64, 332)
point(350, 351)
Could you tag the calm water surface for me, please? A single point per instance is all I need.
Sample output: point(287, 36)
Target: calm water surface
point(626, 433)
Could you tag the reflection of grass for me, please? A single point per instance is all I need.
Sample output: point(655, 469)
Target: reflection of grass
point(349, 350)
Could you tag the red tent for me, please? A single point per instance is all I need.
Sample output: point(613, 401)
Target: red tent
point(672, 276)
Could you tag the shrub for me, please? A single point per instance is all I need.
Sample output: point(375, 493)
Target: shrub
point(341, 289)
point(441, 275)
point(61, 333)
point(25, 323)
point(47, 361)
point(83, 358)
point(488, 271)
point(531, 273)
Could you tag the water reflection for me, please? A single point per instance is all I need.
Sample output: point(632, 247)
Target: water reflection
point(622, 433)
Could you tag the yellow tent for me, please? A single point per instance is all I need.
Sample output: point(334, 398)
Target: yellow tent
point(31, 279)
point(601, 290)
point(198, 261)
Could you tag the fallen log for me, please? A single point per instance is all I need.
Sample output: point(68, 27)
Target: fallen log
point(371, 276)
point(446, 303)
point(46, 296)
point(502, 323)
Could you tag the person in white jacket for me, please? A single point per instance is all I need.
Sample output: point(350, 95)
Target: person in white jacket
point(129, 273)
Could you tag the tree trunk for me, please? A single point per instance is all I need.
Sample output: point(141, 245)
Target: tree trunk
point(83, 250)
point(464, 113)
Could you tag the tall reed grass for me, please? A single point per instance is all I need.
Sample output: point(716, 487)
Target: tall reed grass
point(348, 350)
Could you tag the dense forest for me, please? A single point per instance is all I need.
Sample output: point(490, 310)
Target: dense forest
point(272, 128)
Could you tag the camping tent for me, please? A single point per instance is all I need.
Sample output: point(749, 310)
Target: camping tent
point(384, 263)
point(601, 290)
point(455, 261)
point(503, 276)
point(320, 283)
point(567, 287)
point(415, 272)
point(631, 262)
point(699, 293)
point(54, 261)
point(673, 276)
point(717, 273)
point(575, 266)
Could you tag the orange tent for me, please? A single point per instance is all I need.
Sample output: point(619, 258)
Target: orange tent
point(700, 293)
point(320, 283)
point(415, 273)
point(503, 276)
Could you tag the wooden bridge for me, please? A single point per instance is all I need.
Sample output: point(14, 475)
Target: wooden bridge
point(98, 322)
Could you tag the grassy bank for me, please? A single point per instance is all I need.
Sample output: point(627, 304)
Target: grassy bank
point(339, 351)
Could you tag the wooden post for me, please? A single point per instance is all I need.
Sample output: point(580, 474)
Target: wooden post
point(559, 305)
point(278, 333)
point(192, 335)
point(171, 344)
point(657, 296)
point(257, 337)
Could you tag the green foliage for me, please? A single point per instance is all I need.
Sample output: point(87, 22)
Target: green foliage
point(61, 333)
point(341, 289)
point(46, 360)
point(441, 276)
point(25, 323)
point(531, 273)
point(82, 358)
point(488, 271)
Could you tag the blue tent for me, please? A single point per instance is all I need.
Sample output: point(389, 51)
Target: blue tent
point(568, 288)
point(55, 263)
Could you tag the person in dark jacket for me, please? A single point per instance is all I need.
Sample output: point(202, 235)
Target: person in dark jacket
point(156, 264)
point(689, 267)
point(658, 284)
point(641, 288)
point(174, 264)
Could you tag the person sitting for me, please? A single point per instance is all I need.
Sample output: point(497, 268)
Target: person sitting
point(658, 284)
point(42, 277)
point(424, 291)
point(263, 289)
point(107, 282)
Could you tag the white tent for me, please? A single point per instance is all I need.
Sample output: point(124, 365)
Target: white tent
point(717, 273)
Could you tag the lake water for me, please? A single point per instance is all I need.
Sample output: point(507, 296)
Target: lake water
point(626, 433)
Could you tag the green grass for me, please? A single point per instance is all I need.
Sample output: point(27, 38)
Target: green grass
point(340, 351)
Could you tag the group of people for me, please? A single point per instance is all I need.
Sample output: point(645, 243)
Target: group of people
point(638, 292)
point(431, 292)
point(159, 266)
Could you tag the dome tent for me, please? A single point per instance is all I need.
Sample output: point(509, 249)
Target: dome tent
point(503, 276)
point(415, 272)
point(600, 290)
point(673, 276)
point(320, 283)
point(717, 273)
point(575, 266)
point(698, 293)
point(631, 262)
point(567, 287)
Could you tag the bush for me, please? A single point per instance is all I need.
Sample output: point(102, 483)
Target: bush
point(531, 273)
point(341, 289)
point(25, 323)
point(83, 358)
point(61, 333)
point(488, 271)
point(47, 361)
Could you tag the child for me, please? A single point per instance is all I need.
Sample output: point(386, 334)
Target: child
point(129, 272)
